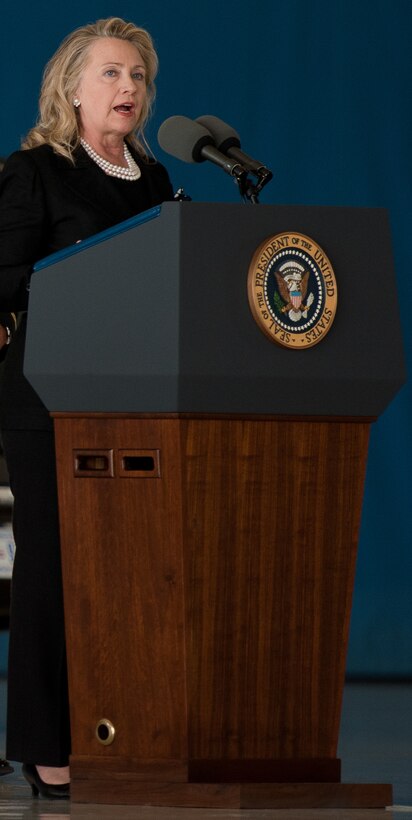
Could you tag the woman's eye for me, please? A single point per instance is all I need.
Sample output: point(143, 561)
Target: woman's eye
point(110, 72)
point(137, 75)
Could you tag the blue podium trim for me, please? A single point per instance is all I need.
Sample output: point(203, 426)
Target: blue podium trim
point(139, 219)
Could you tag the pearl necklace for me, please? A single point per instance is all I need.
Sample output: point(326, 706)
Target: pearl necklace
point(131, 173)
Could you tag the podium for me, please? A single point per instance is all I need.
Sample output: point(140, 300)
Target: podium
point(210, 491)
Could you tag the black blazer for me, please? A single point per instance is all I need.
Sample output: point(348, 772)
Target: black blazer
point(46, 204)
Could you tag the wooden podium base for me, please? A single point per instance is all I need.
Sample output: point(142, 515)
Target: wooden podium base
point(208, 570)
point(93, 784)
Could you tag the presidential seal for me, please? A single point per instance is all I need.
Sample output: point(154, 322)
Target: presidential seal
point(292, 290)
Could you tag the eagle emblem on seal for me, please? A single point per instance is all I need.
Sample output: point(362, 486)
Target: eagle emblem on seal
point(293, 280)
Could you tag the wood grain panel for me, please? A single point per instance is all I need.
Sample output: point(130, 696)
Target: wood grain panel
point(208, 603)
point(272, 514)
point(124, 594)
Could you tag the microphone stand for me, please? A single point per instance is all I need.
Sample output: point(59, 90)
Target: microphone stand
point(250, 190)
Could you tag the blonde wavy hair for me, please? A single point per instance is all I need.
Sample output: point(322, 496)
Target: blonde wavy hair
point(57, 123)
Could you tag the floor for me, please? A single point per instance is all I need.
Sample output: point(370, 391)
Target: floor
point(375, 746)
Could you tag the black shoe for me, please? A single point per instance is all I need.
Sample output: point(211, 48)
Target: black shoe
point(5, 767)
point(45, 789)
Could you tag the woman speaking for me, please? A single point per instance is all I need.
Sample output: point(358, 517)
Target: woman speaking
point(82, 168)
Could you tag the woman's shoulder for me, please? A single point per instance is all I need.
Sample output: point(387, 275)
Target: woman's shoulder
point(31, 170)
point(28, 163)
point(41, 156)
point(26, 156)
point(18, 173)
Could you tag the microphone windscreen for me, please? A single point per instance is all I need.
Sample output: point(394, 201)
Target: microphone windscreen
point(184, 138)
point(224, 135)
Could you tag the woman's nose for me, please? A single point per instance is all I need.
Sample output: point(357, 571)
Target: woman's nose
point(128, 85)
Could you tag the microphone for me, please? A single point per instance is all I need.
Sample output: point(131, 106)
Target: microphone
point(190, 141)
point(227, 141)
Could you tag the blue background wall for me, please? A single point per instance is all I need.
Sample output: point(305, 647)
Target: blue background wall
point(321, 92)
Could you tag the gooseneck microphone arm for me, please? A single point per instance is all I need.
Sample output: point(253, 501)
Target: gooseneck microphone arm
point(231, 166)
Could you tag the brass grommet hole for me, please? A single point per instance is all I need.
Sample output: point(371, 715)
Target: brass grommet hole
point(105, 732)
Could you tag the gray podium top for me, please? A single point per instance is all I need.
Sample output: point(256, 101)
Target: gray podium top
point(156, 319)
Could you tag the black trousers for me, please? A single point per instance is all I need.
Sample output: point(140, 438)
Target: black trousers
point(38, 725)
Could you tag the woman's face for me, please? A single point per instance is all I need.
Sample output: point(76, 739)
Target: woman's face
point(112, 90)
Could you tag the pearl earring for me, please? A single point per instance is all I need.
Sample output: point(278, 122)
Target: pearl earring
point(76, 102)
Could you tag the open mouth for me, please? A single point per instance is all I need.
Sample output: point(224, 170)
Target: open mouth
point(124, 108)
